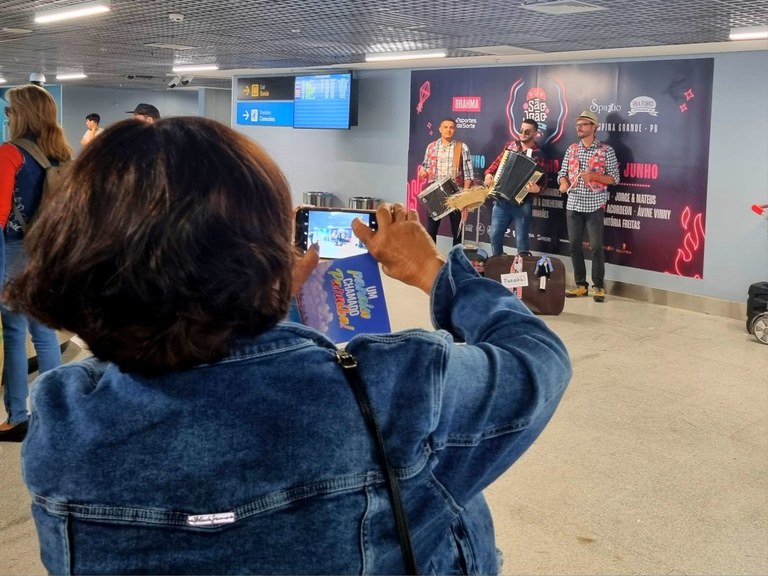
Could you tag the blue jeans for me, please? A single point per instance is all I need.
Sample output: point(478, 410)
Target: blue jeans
point(15, 325)
point(593, 222)
point(505, 212)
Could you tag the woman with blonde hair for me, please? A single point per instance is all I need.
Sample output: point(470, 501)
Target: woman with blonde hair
point(34, 130)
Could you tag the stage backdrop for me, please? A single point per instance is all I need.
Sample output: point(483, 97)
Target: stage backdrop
point(655, 115)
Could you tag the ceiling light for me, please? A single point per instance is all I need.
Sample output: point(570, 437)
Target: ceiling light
point(410, 55)
point(169, 46)
point(559, 7)
point(749, 33)
point(71, 76)
point(195, 67)
point(74, 11)
point(3, 80)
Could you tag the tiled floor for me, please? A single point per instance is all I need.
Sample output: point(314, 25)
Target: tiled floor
point(655, 463)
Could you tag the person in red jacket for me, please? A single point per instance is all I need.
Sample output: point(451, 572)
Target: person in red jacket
point(32, 115)
point(505, 211)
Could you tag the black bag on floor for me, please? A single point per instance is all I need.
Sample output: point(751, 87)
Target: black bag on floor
point(757, 301)
point(549, 301)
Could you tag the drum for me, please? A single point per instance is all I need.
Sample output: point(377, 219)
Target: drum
point(433, 197)
point(514, 176)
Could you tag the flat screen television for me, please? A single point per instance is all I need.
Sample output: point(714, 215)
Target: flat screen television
point(325, 101)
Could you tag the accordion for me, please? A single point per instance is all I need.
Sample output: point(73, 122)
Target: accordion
point(515, 170)
point(433, 197)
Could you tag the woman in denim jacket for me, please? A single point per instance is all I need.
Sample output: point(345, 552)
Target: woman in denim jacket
point(207, 435)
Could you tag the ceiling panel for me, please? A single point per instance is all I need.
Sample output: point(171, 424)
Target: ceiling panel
point(287, 34)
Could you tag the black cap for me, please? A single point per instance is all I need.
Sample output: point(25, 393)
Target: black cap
point(146, 110)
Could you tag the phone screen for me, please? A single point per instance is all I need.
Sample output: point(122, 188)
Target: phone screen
point(332, 231)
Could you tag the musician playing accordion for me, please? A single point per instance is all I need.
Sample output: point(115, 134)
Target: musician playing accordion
point(507, 209)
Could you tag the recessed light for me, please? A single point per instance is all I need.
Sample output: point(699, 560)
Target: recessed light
point(75, 11)
point(408, 55)
point(749, 33)
point(169, 46)
point(560, 7)
point(195, 67)
point(70, 76)
point(15, 30)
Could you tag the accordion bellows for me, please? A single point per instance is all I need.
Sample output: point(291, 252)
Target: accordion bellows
point(513, 175)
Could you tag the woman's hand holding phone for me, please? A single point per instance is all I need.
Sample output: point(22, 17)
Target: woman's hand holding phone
point(402, 246)
point(303, 264)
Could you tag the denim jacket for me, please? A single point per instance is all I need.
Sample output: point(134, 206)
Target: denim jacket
point(27, 192)
point(261, 463)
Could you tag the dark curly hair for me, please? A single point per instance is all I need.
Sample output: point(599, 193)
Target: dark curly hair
point(166, 242)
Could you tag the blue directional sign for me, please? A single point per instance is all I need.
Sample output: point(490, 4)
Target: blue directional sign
point(265, 113)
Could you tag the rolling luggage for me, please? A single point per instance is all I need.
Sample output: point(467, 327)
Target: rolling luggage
point(549, 301)
point(757, 304)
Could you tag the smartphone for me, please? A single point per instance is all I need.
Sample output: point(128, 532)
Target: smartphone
point(331, 229)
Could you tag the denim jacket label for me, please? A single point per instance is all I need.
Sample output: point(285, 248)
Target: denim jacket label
point(210, 519)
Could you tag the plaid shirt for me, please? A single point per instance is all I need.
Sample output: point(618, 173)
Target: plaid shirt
point(444, 168)
point(582, 197)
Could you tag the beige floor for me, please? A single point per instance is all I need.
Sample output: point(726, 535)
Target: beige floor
point(655, 463)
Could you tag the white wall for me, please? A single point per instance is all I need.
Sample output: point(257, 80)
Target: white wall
point(111, 104)
point(367, 160)
point(215, 104)
point(370, 160)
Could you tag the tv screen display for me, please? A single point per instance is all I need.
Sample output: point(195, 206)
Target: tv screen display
point(324, 101)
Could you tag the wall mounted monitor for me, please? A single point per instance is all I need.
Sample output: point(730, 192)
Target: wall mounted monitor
point(325, 101)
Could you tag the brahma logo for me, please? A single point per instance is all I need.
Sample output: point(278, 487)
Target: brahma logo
point(467, 104)
point(642, 104)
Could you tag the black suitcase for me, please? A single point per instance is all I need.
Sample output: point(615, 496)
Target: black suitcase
point(549, 301)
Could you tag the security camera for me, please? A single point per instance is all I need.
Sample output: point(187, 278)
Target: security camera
point(37, 78)
point(185, 80)
point(175, 82)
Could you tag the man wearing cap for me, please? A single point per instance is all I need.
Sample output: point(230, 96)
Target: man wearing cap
point(588, 168)
point(145, 113)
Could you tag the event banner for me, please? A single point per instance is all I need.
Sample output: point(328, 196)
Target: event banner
point(655, 115)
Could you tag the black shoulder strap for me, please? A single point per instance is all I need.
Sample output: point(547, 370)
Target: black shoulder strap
point(349, 364)
point(34, 150)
